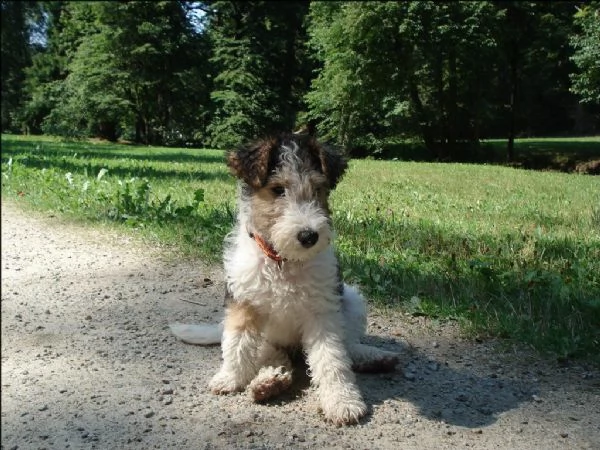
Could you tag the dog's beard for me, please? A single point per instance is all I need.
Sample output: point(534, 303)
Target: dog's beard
point(295, 219)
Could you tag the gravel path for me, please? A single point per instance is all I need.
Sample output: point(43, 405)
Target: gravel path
point(88, 362)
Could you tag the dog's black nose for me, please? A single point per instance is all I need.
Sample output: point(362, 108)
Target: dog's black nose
point(308, 238)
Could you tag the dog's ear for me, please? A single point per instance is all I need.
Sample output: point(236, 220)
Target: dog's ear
point(333, 164)
point(251, 162)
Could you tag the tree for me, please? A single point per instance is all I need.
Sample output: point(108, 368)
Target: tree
point(260, 71)
point(533, 67)
point(157, 66)
point(446, 73)
point(16, 30)
point(43, 84)
point(406, 68)
point(132, 70)
point(586, 82)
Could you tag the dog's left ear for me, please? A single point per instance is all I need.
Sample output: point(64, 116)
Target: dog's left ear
point(333, 164)
point(251, 162)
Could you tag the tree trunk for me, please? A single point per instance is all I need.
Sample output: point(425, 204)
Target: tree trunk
point(418, 105)
point(514, 78)
point(452, 109)
point(138, 130)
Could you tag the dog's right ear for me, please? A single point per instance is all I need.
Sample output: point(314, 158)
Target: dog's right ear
point(251, 163)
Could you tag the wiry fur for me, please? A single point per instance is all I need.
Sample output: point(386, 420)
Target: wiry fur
point(298, 301)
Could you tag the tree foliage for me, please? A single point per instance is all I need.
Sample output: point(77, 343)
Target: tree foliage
point(256, 53)
point(368, 74)
point(442, 71)
point(586, 82)
point(131, 71)
point(16, 31)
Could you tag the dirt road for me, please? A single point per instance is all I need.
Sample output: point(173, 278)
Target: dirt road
point(88, 362)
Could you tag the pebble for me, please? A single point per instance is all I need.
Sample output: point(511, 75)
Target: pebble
point(461, 397)
point(434, 366)
point(410, 376)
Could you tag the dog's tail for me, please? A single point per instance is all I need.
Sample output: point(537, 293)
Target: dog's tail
point(201, 334)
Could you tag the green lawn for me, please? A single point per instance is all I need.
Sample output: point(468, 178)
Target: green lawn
point(508, 252)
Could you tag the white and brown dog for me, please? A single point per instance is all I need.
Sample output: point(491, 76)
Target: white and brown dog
point(284, 289)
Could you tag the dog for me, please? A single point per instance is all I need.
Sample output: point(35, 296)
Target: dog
point(283, 283)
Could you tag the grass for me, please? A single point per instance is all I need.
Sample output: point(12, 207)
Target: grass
point(174, 197)
point(508, 252)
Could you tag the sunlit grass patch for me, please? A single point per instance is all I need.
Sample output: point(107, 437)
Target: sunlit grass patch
point(508, 252)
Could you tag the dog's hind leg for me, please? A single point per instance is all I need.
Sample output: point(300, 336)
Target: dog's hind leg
point(365, 358)
point(240, 344)
point(274, 376)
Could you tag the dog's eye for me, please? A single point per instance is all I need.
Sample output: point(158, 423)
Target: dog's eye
point(279, 191)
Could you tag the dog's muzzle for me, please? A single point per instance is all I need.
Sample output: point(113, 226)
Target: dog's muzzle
point(308, 238)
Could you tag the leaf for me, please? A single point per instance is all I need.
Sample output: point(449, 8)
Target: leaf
point(101, 173)
point(199, 195)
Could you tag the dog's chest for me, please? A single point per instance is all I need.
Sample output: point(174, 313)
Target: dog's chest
point(293, 288)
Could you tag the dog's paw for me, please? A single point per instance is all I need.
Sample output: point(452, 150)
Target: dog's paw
point(224, 383)
point(343, 411)
point(269, 382)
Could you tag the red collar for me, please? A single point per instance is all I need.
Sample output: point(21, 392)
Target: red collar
point(267, 249)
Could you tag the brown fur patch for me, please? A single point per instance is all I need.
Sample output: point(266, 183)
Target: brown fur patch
point(243, 317)
point(333, 165)
point(266, 210)
point(251, 163)
point(270, 387)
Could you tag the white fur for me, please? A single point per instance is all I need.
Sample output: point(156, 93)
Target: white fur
point(201, 334)
point(291, 303)
point(298, 217)
point(303, 308)
point(300, 301)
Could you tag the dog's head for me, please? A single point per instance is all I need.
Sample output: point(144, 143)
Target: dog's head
point(286, 181)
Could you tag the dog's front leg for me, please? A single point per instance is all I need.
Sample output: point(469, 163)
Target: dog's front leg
point(331, 372)
point(240, 346)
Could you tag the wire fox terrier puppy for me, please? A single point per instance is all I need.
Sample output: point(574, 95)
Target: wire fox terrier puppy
point(283, 284)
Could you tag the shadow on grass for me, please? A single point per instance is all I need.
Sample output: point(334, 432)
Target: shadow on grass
point(92, 169)
point(118, 164)
point(544, 154)
point(548, 299)
point(547, 154)
point(12, 148)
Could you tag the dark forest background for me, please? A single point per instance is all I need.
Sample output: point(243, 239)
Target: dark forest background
point(367, 75)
